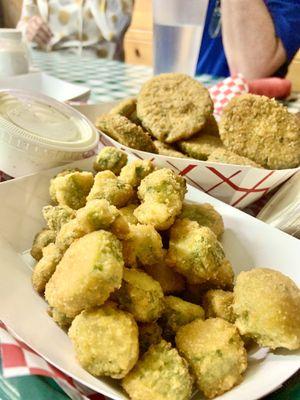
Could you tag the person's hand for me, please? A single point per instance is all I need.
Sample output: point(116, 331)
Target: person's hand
point(38, 31)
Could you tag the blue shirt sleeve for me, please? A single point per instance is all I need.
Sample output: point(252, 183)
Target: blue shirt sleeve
point(286, 18)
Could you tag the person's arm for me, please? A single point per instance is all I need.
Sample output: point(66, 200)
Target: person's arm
point(31, 24)
point(249, 39)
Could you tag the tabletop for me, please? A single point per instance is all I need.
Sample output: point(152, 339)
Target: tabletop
point(108, 81)
point(112, 80)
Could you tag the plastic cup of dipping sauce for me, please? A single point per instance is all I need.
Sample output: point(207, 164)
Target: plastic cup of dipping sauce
point(38, 132)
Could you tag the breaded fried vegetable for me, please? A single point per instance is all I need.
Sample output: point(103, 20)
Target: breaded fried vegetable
point(226, 156)
point(128, 213)
point(110, 158)
point(173, 106)
point(41, 240)
point(135, 171)
point(125, 132)
point(218, 303)
point(105, 341)
point(100, 214)
point(57, 216)
point(68, 233)
point(89, 271)
point(267, 305)
point(167, 150)
point(149, 333)
point(200, 147)
point(125, 107)
point(141, 295)
point(170, 281)
point(215, 353)
point(107, 186)
point(210, 128)
point(205, 214)
point(194, 251)
point(161, 374)
point(61, 319)
point(161, 193)
point(71, 189)
point(263, 130)
point(177, 313)
point(143, 246)
point(45, 268)
point(97, 214)
point(223, 279)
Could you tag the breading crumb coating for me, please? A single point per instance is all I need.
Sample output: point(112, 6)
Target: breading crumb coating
point(105, 341)
point(267, 305)
point(161, 374)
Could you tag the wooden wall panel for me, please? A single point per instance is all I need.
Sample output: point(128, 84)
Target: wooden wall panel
point(139, 37)
point(11, 10)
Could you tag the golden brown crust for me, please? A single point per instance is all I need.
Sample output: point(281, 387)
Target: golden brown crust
point(173, 106)
point(261, 129)
point(125, 132)
point(267, 305)
point(200, 147)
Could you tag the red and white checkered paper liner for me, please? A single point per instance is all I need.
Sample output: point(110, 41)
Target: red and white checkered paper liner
point(224, 91)
point(237, 185)
point(19, 360)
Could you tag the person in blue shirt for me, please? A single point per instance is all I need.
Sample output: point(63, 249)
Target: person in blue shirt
point(257, 38)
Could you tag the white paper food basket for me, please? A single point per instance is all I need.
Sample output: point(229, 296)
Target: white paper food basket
point(237, 185)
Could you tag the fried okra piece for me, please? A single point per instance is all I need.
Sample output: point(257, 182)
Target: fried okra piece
point(215, 353)
point(128, 213)
point(170, 281)
point(223, 278)
point(100, 214)
point(41, 240)
point(57, 216)
point(135, 171)
point(200, 147)
point(96, 215)
point(107, 186)
point(161, 193)
point(205, 214)
point(177, 313)
point(68, 233)
point(141, 295)
point(46, 266)
point(160, 374)
point(71, 189)
point(143, 246)
point(194, 251)
point(149, 333)
point(105, 341)
point(218, 303)
point(267, 304)
point(110, 158)
point(90, 270)
point(61, 319)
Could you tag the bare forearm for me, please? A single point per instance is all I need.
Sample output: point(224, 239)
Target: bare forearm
point(249, 38)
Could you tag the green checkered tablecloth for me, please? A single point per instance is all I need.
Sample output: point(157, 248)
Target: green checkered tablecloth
point(108, 81)
point(111, 80)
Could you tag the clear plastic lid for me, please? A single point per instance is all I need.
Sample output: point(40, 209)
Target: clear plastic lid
point(38, 119)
